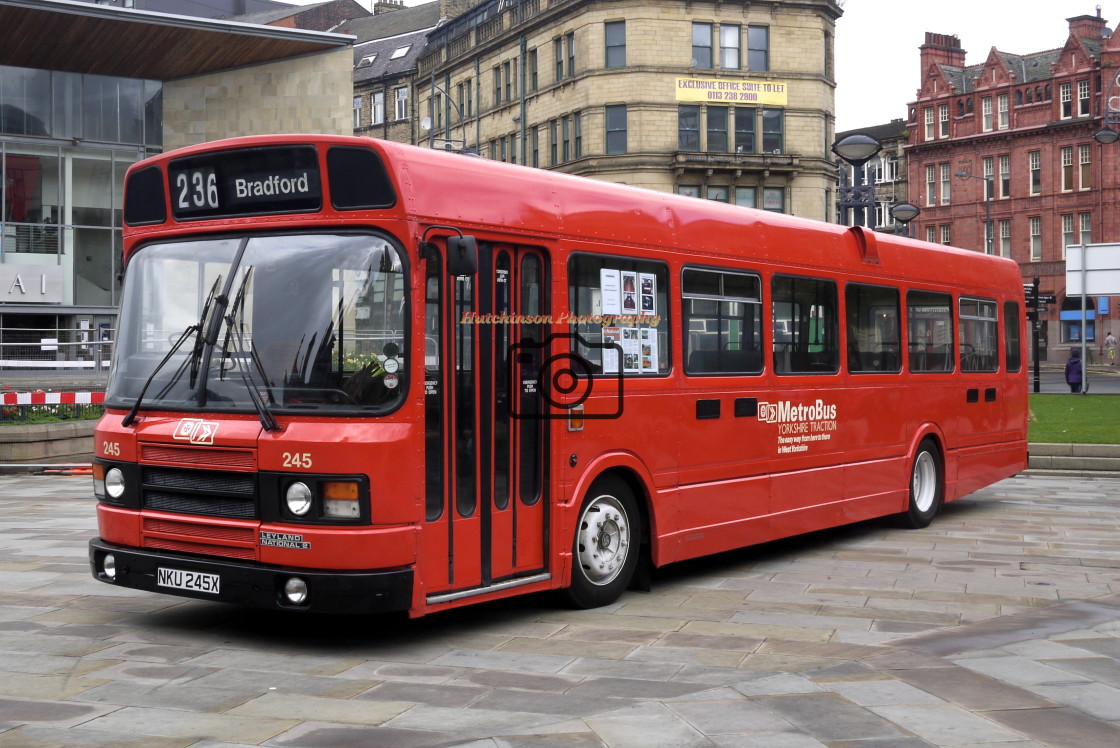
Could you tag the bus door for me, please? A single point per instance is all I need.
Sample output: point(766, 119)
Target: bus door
point(486, 501)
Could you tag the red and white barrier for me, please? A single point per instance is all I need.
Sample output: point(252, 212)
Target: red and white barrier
point(51, 398)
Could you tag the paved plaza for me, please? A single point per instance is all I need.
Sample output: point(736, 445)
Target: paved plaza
point(997, 626)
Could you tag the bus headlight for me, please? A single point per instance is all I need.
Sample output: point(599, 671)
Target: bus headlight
point(298, 499)
point(109, 566)
point(295, 591)
point(114, 483)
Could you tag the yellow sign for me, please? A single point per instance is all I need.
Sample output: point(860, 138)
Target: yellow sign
point(769, 93)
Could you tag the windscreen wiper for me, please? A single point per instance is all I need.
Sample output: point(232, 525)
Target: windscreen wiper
point(196, 330)
point(236, 334)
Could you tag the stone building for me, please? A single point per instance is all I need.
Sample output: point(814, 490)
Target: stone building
point(730, 101)
point(886, 171)
point(1012, 137)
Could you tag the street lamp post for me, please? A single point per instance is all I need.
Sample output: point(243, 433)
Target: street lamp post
point(856, 150)
point(989, 181)
point(904, 213)
point(1111, 131)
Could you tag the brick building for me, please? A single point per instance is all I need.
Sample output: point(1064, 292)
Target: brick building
point(731, 101)
point(1012, 137)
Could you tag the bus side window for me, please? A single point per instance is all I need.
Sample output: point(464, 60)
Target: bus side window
point(874, 337)
point(809, 306)
point(723, 317)
point(929, 320)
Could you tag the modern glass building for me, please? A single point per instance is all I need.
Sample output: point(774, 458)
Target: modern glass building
point(66, 140)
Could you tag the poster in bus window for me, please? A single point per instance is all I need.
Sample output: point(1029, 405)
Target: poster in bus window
point(610, 284)
point(610, 355)
point(631, 350)
point(648, 284)
point(648, 349)
point(629, 293)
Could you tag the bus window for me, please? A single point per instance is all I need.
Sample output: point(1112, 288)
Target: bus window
point(806, 331)
point(723, 320)
point(874, 336)
point(1011, 338)
point(620, 303)
point(930, 331)
point(978, 335)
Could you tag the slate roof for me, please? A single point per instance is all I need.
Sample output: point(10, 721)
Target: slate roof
point(382, 50)
point(893, 130)
point(394, 23)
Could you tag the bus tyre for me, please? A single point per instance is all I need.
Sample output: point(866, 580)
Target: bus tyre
point(606, 547)
point(927, 487)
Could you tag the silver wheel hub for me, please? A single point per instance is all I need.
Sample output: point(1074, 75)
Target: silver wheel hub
point(923, 484)
point(603, 540)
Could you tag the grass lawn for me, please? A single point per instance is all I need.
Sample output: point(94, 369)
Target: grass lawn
point(1062, 419)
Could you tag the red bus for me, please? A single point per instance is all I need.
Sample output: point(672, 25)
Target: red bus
point(357, 376)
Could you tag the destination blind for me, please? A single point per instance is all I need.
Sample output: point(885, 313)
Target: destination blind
point(256, 181)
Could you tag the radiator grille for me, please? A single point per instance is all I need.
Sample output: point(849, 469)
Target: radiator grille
point(209, 493)
point(194, 537)
point(230, 458)
point(183, 546)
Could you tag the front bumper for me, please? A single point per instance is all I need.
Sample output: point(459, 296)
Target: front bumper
point(256, 585)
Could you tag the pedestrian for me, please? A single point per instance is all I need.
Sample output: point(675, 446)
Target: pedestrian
point(1110, 343)
point(1073, 371)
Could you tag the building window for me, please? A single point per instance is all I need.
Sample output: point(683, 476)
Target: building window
point(1084, 174)
point(1086, 225)
point(931, 185)
point(931, 234)
point(758, 47)
point(615, 35)
point(717, 193)
point(1005, 237)
point(986, 113)
point(565, 140)
point(1082, 98)
point(357, 112)
point(558, 52)
point(1065, 96)
point(1067, 169)
point(1004, 115)
point(470, 98)
point(717, 130)
point(989, 164)
point(401, 97)
point(497, 85)
point(943, 120)
point(946, 183)
point(744, 130)
point(571, 55)
point(883, 170)
point(688, 190)
point(377, 108)
point(1036, 238)
point(946, 235)
point(553, 143)
point(509, 72)
point(577, 133)
point(688, 127)
point(616, 129)
point(729, 53)
point(701, 45)
point(400, 52)
point(774, 199)
point(1004, 177)
point(1068, 237)
point(929, 123)
point(532, 69)
point(772, 133)
point(1034, 159)
point(746, 197)
point(535, 144)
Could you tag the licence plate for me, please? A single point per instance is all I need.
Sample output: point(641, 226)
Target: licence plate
point(193, 581)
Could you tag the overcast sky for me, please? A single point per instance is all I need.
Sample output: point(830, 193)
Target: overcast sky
point(877, 62)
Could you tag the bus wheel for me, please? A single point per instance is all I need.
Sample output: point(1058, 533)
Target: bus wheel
point(605, 551)
point(926, 487)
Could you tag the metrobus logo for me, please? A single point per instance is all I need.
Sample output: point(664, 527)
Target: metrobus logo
point(196, 430)
point(787, 412)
